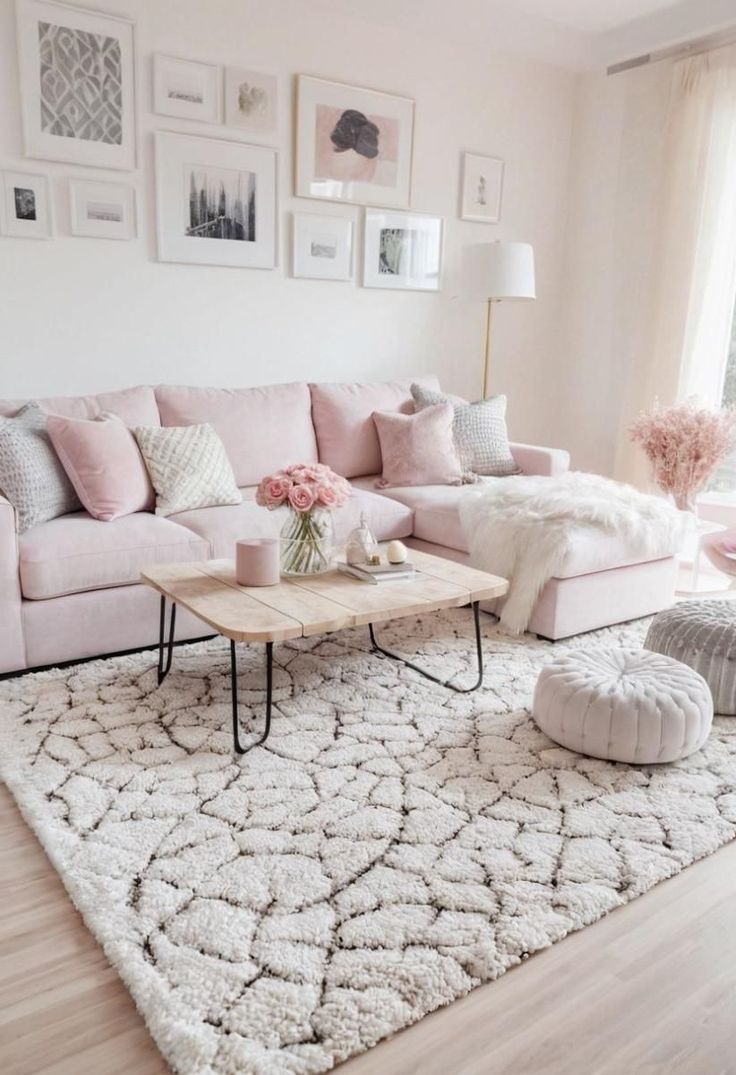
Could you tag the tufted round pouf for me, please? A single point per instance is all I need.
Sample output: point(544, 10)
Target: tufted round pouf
point(623, 705)
point(703, 635)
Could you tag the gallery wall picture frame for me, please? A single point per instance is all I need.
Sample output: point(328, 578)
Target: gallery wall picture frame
point(215, 201)
point(481, 188)
point(102, 210)
point(402, 250)
point(252, 100)
point(322, 247)
point(353, 144)
point(187, 89)
point(77, 84)
point(25, 208)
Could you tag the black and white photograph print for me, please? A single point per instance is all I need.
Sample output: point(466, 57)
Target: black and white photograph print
point(222, 203)
point(322, 247)
point(481, 188)
point(99, 210)
point(76, 84)
point(251, 100)
point(187, 89)
point(24, 199)
point(215, 201)
point(353, 144)
point(402, 250)
point(25, 207)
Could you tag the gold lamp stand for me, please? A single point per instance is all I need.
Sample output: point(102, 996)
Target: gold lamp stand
point(487, 363)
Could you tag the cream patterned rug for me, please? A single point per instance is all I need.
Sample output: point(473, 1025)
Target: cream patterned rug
point(391, 848)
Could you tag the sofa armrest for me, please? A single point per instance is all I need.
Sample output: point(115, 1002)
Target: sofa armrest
point(544, 461)
point(12, 643)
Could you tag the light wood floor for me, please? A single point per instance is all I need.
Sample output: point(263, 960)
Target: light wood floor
point(650, 990)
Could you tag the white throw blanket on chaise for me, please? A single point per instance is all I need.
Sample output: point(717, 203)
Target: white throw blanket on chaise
point(521, 529)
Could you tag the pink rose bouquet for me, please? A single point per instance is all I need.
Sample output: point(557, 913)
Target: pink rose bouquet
point(311, 491)
point(685, 444)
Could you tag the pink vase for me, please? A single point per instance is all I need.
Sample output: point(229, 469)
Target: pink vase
point(257, 562)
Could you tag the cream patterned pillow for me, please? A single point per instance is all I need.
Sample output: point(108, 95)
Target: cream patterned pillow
point(31, 475)
point(480, 433)
point(189, 467)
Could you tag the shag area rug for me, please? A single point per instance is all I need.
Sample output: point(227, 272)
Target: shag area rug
point(393, 846)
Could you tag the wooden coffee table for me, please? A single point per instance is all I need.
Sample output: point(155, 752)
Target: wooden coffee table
point(312, 605)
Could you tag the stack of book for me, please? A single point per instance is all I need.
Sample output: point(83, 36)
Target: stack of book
point(375, 573)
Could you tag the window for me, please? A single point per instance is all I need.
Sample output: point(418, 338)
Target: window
point(724, 479)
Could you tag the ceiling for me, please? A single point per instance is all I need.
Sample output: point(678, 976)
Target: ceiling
point(578, 34)
point(593, 16)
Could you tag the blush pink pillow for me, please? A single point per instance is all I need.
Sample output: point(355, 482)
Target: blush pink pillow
point(418, 449)
point(104, 465)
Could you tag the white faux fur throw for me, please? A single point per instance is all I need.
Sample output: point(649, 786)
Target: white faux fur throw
point(521, 529)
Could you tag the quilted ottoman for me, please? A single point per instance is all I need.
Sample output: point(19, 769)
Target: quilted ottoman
point(703, 635)
point(623, 705)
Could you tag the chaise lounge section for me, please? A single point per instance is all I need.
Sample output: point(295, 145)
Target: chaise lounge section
point(70, 587)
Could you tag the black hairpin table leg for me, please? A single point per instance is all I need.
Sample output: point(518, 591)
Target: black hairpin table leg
point(428, 675)
point(239, 748)
point(163, 670)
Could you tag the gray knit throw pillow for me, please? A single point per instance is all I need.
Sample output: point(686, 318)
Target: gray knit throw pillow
point(31, 475)
point(480, 433)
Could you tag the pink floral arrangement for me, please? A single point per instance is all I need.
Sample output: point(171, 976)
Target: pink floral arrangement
point(685, 444)
point(303, 487)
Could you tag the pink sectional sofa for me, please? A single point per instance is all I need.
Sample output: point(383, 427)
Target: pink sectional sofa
point(69, 588)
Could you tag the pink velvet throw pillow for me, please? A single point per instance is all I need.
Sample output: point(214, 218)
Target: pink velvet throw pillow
point(418, 449)
point(104, 464)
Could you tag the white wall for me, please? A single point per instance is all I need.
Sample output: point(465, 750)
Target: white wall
point(81, 315)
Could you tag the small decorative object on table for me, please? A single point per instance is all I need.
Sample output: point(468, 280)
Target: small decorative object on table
point(257, 562)
point(397, 552)
point(685, 444)
point(311, 491)
point(361, 544)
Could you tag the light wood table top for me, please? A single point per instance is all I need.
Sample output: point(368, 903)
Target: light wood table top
point(315, 604)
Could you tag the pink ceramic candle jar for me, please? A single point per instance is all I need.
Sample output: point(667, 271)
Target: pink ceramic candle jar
point(257, 562)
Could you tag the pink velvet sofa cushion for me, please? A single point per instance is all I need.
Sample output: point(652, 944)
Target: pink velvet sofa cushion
point(263, 429)
point(343, 420)
point(104, 464)
point(223, 526)
point(76, 553)
point(418, 449)
point(135, 406)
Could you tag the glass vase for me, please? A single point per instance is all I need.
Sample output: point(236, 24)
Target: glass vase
point(307, 541)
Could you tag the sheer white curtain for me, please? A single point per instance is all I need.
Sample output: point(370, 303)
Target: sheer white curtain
point(694, 268)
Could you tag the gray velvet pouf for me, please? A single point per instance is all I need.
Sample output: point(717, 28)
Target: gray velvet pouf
point(701, 634)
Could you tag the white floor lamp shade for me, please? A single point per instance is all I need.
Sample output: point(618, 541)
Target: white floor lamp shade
point(507, 274)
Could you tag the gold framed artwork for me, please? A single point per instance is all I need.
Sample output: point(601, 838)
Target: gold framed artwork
point(353, 144)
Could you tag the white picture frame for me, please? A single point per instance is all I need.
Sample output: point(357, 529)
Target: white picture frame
point(102, 210)
point(322, 247)
point(187, 89)
point(25, 207)
point(68, 114)
point(481, 188)
point(196, 176)
point(363, 162)
point(251, 100)
point(402, 250)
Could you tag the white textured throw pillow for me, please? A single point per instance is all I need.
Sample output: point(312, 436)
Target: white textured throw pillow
point(189, 467)
point(31, 474)
point(480, 433)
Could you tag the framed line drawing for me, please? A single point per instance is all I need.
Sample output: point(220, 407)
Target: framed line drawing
point(77, 84)
point(481, 188)
point(187, 89)
point(322, 247)
point(353, 144)
point(102, 210)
